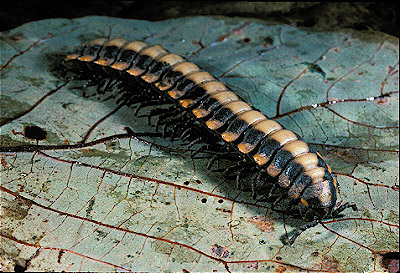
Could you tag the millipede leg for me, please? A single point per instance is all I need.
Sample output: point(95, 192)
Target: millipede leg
point(238, 179)
point(271, 195)
point(201, 149)
point(301, 230)
point(177, 128)
point(168, 117)
point(108, 86)
point(212, 161)
point(129, 100)
point(172, 122)
point(157, 112)
point(199, 140)
point(92, 81)
point(194, 138)
point(239, 166)
point(187, 134)
point(115, 84)
point(343, 207)
point(257, 183)
point(102, 85)
point(130, 132)
point(166, 132)
point(293, 209)
point(147, 103)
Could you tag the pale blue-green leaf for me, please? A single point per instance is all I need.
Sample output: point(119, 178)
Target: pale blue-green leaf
point(136, 205)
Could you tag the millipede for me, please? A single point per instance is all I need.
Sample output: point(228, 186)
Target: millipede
point(200, 109)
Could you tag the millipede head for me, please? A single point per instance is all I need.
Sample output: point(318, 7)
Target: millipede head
point(311, 211)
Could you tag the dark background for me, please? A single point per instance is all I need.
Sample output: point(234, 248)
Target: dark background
point(381, 16)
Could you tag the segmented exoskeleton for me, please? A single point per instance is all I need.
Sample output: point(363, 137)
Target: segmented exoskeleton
point(283, 164)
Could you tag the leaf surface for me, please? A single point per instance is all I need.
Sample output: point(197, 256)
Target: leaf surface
point(117, 203)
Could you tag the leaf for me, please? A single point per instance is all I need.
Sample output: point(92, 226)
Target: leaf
point(118, 203)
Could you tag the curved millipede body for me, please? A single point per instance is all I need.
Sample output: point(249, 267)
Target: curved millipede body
point(283, 164)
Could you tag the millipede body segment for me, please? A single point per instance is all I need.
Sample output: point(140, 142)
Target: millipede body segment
point(283, 164)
